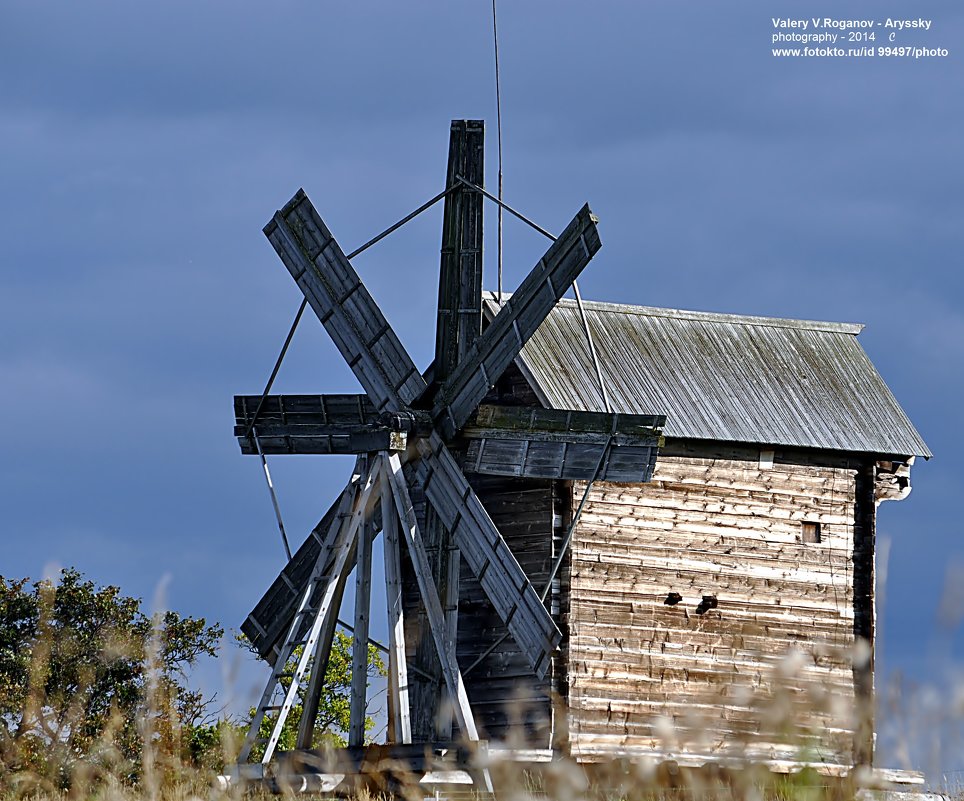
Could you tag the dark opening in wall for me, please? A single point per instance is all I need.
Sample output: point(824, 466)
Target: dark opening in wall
point(811, 532)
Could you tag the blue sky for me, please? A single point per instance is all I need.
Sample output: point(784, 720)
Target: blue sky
point(144, 147)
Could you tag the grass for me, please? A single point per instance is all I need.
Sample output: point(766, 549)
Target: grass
point(163, 758)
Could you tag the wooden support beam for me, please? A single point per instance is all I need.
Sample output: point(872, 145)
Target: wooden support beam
point(449, 592)
point(265, 626)
point(429, 593)
point(319, 667)
point(399, 710)
point(324, 583)
point(460, 276)
point(343, 305)
point(359, 649)
point(518, 320)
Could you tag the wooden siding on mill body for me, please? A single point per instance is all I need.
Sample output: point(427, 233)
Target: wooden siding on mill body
point(642, 673)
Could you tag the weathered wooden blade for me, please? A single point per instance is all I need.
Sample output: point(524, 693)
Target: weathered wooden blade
point(343, 305)
point(309, 424)
point(486, 553)
point(569, 461)
point(571, 445)
point(518, 320)
point(323, 424)
point(267, 622)
point(324, 439)
point(312, 617)
point(562, 425)
point(303, 424)
point(460, 277)
point(295, 411)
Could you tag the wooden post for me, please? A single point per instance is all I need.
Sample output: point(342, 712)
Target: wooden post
point(459, 325)
point(359, 648)
point(460, 277)
point(865, 535)
point(450, 590)
point(433, 607)
point(342, 549)
point(319, 667)
point(400, 721)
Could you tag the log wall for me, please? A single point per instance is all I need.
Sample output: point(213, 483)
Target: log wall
point(769, 670)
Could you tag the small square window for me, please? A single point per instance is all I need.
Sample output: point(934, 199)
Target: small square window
point(811, 532)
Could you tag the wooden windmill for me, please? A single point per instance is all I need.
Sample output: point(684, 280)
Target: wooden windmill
point(415, 435)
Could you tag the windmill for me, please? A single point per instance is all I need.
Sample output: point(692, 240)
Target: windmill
point(414, 436)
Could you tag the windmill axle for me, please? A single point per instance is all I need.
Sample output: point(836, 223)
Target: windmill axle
point(415, 423)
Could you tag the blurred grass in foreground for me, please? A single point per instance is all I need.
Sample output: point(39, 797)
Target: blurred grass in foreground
point(56, 744)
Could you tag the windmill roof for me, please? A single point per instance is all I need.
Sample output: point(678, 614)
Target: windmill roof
point(723, 377)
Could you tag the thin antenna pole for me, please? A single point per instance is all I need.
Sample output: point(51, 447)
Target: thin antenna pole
point(498, 119)
point(592, 348)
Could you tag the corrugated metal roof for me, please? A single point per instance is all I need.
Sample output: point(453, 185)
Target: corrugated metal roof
point(722, 377)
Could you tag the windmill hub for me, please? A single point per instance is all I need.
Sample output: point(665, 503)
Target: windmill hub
point(416, 423)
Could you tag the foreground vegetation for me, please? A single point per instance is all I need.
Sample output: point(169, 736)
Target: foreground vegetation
point(96, 702)
point(96, 695)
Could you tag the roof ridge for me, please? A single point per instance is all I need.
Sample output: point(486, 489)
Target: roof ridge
point(704, 316)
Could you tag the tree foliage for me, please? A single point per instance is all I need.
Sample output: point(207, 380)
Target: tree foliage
point(91, 685)
point(84, 671)
point(334, 705)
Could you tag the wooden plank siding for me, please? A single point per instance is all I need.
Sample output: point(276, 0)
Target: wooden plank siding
point(640, 671)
